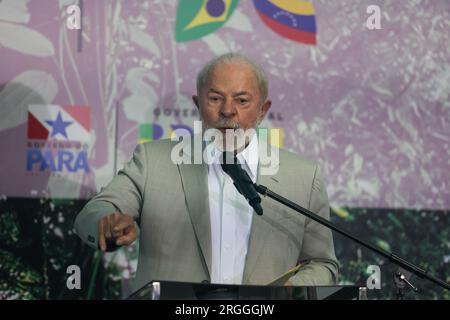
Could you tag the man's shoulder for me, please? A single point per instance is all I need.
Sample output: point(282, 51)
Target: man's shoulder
point(294, 167)
point(290, 158)
point(157, 146)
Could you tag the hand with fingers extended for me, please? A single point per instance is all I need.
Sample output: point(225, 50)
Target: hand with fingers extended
point(116, 229)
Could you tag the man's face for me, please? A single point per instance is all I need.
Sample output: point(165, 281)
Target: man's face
point(230, 98)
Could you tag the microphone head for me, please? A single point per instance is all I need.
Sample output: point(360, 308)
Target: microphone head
point(228, 158)
point(241, 180)
point(228, 161)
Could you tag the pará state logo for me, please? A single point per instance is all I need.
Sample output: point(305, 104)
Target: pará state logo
point(292, 19)
point(62, 123)
point(197, 18)
point(58, 138)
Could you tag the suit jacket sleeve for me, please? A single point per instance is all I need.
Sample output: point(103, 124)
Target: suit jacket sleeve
point(318, 248)
point(123, 194)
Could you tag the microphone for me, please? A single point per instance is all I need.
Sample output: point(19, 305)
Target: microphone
point(242, 181)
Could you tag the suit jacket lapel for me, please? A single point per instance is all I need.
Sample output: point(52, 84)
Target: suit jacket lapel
point(261, 227)
point(194, 179)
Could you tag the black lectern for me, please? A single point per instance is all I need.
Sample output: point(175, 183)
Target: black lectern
point(170, 290)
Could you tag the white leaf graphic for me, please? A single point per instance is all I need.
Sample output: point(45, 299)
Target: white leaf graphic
point(66, 3)
point(138, 108)
point(216, 44)
point(136, 81)
point(144, 40)
point(29, 87)
point(239, 21)
point(143, 99)
point(25, 40)
point(14, 11)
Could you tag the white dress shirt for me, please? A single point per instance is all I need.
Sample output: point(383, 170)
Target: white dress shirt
point(230, 215)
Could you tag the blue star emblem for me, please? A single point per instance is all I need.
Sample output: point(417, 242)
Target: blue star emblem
point(59, 125)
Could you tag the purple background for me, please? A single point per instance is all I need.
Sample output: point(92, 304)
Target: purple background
point(372, 106)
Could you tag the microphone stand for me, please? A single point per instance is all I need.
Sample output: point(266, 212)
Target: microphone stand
point(406, 268)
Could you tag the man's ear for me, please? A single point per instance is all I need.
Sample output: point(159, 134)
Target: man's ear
point(195, 99)
point(264, 108)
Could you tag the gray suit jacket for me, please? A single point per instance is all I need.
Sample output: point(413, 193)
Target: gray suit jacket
point(170, 204)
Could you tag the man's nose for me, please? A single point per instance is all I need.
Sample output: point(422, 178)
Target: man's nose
point(228, 109)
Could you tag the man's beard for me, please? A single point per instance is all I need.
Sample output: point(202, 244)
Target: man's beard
point(234, 138)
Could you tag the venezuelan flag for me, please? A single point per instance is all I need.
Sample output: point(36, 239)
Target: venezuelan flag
point(292, 19)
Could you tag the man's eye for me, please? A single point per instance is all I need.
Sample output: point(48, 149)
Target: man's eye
point(214, 99)
point(242, 101)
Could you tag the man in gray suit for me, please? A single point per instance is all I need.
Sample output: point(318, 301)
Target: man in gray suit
point(194, 225)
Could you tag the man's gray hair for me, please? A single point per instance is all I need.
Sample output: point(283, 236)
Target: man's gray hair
point(231, 57)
